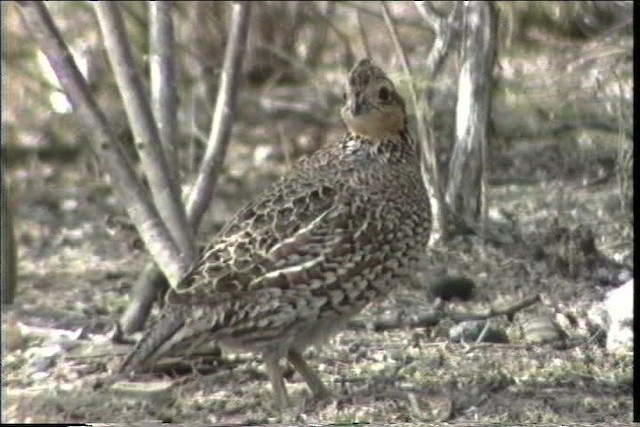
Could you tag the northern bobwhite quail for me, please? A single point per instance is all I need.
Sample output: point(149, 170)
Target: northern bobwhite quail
point(340, 230)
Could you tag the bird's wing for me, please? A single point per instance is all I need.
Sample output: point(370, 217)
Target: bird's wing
point(282, 227)
point(282, 282)
point(314, 270)
point(299, 252)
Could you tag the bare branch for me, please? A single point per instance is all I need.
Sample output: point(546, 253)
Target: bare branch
point(165, 192)
point(134, 196)
point(223, 115)
point(399, 50)
point(364, 8)
point(363, 35)
point(344, 38)
point(429, 14)
point(164, 98)
point(150, 283)
point(164, 102)
point(445, 30)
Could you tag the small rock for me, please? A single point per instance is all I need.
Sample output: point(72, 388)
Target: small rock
point(39, 376)
point(619, 309)
point(43, 358)
point(542, 329)
point(12, 336)
point(470, 332)
point(625, 275)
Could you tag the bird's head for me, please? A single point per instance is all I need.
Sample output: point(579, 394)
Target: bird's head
point(373, 108)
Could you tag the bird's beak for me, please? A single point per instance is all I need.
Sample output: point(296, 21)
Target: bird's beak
point(359, 106)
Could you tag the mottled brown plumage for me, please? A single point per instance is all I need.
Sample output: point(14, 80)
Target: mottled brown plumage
point(342, 229)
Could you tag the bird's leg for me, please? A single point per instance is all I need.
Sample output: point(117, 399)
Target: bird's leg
point(310, 377)
point(274, 370)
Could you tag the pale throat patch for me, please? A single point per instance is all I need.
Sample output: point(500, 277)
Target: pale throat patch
point(375, 123)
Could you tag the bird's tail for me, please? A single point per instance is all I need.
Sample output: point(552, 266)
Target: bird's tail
point(161, 337)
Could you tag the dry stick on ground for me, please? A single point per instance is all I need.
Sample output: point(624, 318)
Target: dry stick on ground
point(401, 319)
point(165, 190)
point(429, 164)
point(151, 282)
point(133, 195)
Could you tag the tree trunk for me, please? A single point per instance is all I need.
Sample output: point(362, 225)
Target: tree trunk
point(472, 112)
point(8, 253)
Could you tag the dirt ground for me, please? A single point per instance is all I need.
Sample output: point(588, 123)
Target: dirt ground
point(75, 275)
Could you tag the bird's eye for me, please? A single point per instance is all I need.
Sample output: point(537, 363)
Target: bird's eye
point(384, 94)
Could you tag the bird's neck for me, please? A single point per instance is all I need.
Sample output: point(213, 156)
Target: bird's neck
point(397, 145)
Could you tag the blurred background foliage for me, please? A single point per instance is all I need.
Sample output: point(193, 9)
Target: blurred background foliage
point(297, 53)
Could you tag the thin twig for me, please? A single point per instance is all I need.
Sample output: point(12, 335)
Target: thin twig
point(223, 114)
point(400, 51)
point(296, 63)
point(508, 311)
point(134, 196)
point(446, 30)
point(363, 35)
point(400, 319)
point(344, 38)
point(360, 5)
point(429, 14)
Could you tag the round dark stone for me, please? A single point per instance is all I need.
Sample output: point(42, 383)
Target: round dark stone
point(449, 287)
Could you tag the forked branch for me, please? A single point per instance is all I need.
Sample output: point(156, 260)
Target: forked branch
point(165, 190)
point(134, 196)
point(223, 114)
point(151, 283)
